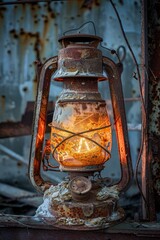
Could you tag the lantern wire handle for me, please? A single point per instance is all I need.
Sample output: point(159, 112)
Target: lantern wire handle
point(112, 51)
point(81, 27)
point(122, 56)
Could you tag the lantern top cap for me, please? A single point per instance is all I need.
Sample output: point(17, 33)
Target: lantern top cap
point(80, 38)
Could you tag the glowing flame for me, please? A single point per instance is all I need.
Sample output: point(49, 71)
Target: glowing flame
point(83, 145)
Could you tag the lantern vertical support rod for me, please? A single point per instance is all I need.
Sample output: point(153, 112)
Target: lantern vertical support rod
point(44, 73)
point(114, 75)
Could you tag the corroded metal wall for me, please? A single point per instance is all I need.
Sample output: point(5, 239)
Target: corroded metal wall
point(30, 32)
point(154, 97)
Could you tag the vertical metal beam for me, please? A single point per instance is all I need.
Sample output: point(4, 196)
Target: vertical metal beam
point(154, 94)
point(148, 203)
point(151, 152)
point(144, 82)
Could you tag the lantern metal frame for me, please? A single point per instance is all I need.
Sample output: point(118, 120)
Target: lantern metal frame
point(44, 73)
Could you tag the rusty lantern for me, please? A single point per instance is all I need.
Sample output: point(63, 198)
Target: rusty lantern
point(81, 137)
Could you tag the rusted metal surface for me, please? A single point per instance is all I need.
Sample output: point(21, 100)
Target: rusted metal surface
point(79, 57)
point(44, 75)
point(92, 210)
point(154, 97)
point(114, 76)
point(148, 201)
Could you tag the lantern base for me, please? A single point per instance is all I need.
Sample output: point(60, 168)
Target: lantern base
point(98, 211)
point(89, 223)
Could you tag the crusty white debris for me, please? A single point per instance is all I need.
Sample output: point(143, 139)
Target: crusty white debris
point(108, 192)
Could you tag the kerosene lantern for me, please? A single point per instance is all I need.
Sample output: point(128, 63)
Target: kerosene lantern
point(81, 137)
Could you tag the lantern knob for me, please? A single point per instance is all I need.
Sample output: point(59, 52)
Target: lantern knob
point(80, 188)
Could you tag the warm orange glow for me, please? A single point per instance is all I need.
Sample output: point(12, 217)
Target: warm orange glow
point(83, 145)
point(79, 150)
